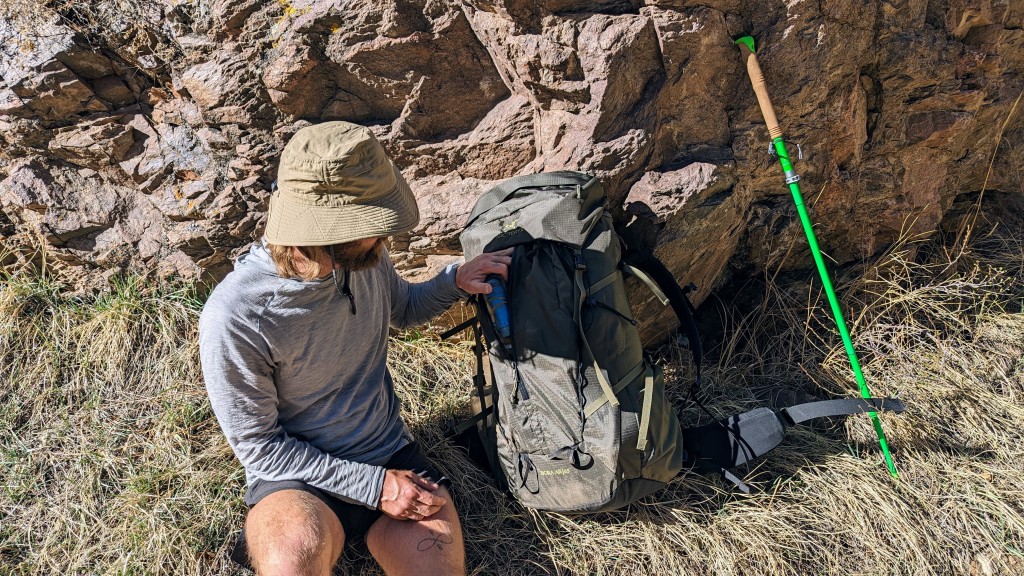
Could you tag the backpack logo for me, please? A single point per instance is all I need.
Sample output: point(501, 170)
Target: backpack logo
point(509, 224)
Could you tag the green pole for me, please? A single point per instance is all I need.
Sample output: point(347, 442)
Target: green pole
point(746, 45)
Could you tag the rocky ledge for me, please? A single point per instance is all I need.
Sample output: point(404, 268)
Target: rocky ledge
point(142, 135)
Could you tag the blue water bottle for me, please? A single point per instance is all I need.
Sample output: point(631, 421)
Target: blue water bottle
point(499, 306)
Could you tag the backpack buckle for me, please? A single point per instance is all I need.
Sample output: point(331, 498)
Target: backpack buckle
point(577, 259)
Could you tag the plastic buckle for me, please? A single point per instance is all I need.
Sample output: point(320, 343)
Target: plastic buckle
point(578, 261)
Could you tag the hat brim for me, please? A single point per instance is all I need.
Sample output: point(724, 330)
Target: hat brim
point(293, 224)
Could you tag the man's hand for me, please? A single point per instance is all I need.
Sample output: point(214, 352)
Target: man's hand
point(408, 496)
point(471, 276)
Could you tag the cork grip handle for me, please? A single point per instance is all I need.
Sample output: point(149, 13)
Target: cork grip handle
point(757, 80)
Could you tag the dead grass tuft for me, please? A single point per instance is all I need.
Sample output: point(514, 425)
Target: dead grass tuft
point(112, 461)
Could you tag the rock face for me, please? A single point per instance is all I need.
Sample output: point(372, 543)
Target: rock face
point(148, 142)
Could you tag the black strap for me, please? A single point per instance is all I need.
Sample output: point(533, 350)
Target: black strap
point(456, 329)
point(488, 433)
point(471, 421)
point(676, 298)
point(506, 189)
point(841, 407)
point(735, 440)
point(479, 379)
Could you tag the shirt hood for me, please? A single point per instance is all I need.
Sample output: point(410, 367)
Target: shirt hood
point(257, 268)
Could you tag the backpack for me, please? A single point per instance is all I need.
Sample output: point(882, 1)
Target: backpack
point(570, 412)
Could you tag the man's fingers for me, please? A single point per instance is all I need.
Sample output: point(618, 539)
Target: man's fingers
point(420, 500)
point(425, 511)
point(424, 500)
point(431, 499)
point(413, 498)
point(421, 512)
point(502, 258)
point(424, 482)
point(498, 268)
point(472, 275)
point(499, 261)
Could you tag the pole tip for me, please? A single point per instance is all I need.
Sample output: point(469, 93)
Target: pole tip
point(747, 41)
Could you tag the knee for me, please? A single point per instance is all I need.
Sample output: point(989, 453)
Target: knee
point(293, 537)
point(299, 552)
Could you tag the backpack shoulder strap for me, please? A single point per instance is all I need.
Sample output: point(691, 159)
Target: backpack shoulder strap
point(654, 273)
point(655, 289)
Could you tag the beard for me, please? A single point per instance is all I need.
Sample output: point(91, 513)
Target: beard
point(350, 256)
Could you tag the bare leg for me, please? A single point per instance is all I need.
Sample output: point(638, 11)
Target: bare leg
point(293, 533)
point(432, 546)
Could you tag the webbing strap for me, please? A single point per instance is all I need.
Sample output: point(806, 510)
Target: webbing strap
point(609, 393)
point(645, 412)
point(735, 480)
point(488, 374)
point(841, 407)
point(617, 388)
point(660, 275)
point(456, 329)
point(606, 386)
point(479, 378)
point(604, 282)
point(650, 283)
point(472, 421)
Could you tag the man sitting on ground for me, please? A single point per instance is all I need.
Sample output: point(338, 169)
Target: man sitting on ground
point(293, 346)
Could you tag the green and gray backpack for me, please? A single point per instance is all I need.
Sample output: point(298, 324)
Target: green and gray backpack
point(571, 413)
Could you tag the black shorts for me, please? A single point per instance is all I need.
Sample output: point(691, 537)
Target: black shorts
point(355, 519)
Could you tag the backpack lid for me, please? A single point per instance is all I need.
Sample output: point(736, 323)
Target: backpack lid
point(590, 185)
point(556, 206)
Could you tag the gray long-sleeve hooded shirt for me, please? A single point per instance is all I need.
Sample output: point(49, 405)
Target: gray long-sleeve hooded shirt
point(299, 383)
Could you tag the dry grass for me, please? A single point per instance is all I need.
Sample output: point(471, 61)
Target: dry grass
point(112, 462)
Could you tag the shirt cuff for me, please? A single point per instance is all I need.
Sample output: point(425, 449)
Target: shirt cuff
point(376, 486)
point(450, 271)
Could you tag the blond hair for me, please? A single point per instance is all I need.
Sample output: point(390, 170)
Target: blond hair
point(288, 266)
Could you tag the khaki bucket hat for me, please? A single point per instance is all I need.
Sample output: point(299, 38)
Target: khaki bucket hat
point(335, 184)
